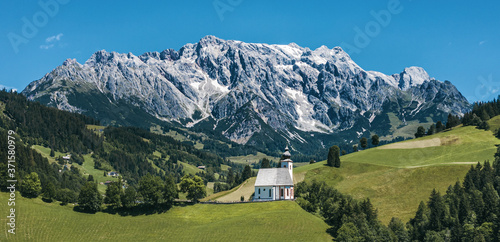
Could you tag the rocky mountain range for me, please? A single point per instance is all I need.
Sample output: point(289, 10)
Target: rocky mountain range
point(256, 94)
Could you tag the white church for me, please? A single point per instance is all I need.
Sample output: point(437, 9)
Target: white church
point(275, 183)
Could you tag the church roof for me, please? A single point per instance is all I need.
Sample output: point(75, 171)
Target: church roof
point(273, 177)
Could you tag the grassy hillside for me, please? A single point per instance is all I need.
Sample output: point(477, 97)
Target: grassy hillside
point(87, 168)
point(250, 159)
point(397, 177)
point(40, 221)
point(463, 144)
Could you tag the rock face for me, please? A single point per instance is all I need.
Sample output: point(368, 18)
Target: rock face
point(251, 93)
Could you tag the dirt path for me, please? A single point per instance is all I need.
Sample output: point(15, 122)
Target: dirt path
point(413, 144)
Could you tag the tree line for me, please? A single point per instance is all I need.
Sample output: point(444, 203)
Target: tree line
point(151, 191)
point(50, 127)
point(468, 211)
point(479, 115)
point(348, 218)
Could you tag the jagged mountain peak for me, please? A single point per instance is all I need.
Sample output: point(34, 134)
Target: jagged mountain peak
point(288, 87)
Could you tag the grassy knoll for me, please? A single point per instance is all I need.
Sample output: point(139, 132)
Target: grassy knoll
point(188, 168)
point(246, 189)
point(464, 144)
point(250, 159)
point(395, 192)
point(494, 123)
point(396, 180)
point(45, 151)
point(40, 221)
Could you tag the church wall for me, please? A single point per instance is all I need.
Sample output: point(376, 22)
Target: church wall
point(264, 193)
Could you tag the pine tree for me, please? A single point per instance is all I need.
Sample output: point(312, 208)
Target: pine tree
point(247, 173)
point(439, 126)
point(437, 209)
point(420, 132)
point(491, 200)
point(419, 223)
point(431, 130)
point(265, 163)
point(334, 156)
point(364, 142)
point(398, 229)
point(375, 140)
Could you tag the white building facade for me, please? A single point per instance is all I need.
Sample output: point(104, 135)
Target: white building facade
point(276, 183)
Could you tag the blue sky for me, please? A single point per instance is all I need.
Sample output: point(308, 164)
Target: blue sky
point(456, 41)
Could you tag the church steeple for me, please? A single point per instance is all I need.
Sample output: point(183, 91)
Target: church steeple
point(286, 154)
point(286, 162)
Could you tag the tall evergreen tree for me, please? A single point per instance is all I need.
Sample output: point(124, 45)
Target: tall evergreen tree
point(491, 200)
point(265, 163)
point(247, 173)
point(419, 223)
point(334, 156)
point(364, 142)
point(431, 130)
point(375, 140)
point(420, 132)
point(398, 229)
point(439, 126)
point(437, 211)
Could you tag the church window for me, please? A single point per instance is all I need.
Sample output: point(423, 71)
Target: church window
point(269, 192)
point(259, 190)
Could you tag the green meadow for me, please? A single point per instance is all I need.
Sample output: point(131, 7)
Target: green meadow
point(275, 221)
point(397, 177)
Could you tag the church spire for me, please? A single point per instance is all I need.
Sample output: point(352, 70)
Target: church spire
point(286, 162)
point(286, 154)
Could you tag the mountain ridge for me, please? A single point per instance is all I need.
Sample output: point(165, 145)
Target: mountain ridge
point(245, 90)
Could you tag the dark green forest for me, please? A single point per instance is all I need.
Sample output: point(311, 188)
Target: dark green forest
point(127, 150)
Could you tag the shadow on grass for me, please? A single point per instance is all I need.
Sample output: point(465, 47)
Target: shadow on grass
point(82, 210)
point(137, 210)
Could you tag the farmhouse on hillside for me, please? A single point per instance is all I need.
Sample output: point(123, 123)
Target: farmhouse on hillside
point(275, 183)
